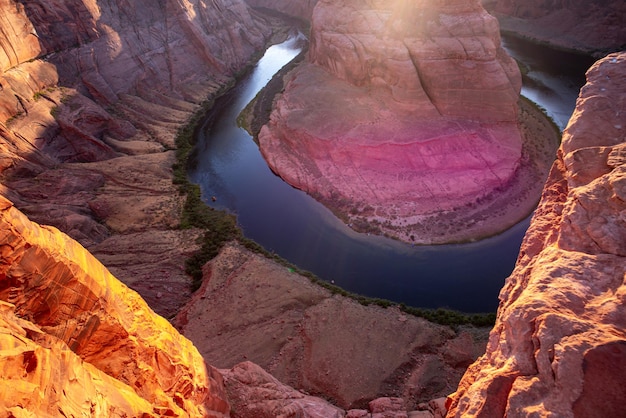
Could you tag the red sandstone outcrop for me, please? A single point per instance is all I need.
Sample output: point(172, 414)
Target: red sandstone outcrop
point(594, 26)
point(325, 345)
point(559, 345)
point(75, 341)
point(404, 120)
point(257, 394)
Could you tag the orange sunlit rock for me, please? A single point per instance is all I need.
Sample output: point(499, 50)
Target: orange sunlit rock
point(70, 325)
point(558, 346)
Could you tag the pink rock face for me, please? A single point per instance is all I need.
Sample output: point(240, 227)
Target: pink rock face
point(20, 41)
point(403, 110)
point(257, 394)
point(558, 346)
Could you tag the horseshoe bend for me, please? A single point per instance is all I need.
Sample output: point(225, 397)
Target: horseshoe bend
point(403, 118)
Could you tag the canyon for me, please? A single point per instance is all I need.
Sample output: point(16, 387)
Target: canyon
point(92, 96)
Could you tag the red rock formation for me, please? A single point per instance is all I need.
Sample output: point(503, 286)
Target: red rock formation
point(405, 117)
point(76, 340)
point(323, 344)
point(592, 26)
point(559, 344)
point(109, 84)
point(257, 394)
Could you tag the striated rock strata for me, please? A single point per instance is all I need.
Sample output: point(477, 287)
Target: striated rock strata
point(404, 121)
point(559, 344)
point(92, 94)
point(595, 26)
point(74, 341)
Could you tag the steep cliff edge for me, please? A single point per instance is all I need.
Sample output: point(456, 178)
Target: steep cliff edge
point(92, 95)
point(324, 344)
point(404, 121)
point(74, 341)
point(594, 27)
point(559, 343)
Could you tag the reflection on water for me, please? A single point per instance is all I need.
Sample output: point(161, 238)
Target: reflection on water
point(553, 78)
point(287, 221)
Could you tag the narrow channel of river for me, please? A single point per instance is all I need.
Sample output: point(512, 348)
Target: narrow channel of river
point(465, 277)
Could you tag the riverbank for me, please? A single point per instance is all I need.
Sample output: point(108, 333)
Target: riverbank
point(320, 342)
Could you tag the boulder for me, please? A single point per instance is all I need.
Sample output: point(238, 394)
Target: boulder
point(257, 394)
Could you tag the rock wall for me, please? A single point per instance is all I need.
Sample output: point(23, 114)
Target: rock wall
point(92, 95)
point(559, 344)
point(75, 341)
point(595, 26)
point(404, 121)
point(422, 52)
point(323, 344)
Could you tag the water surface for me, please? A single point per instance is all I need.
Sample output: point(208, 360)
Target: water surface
point(465, 277)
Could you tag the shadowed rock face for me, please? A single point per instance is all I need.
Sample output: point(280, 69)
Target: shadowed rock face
point(588, 26)
point(402, 112)
point(77, 340)
point(558, 344)
point(297, 8)
point(92, 95)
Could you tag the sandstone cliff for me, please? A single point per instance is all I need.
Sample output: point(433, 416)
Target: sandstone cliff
point(559, 345)
point(91, 96)
point(321, 343)
point(403, 120)
point(76, 342)
point(595, 26)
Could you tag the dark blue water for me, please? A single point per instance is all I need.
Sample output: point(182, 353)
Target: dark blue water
point(465, 277)
point(554, 77)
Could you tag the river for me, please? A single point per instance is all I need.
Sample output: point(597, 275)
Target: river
point(464, 277)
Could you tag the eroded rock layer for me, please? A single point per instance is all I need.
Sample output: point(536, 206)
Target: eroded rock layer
point(92, 95)
point(404, 119)
point(263, 312)
point(299, 8)
point(75, 341)
point(559, 344)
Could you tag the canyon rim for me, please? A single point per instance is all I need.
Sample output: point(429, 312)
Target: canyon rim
point(92, 95)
